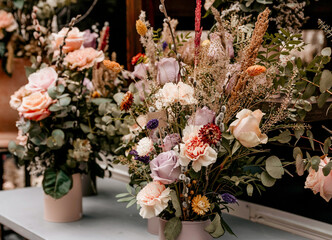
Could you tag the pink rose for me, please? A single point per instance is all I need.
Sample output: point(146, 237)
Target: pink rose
point(90, 39)
point(83, 58)
point(42, 80)
point(153, 199)
point(202, 116)
point(35, 106)
point(165, 167)
point(74, 39)
point(168, 70)
point(317, 182)
point(140, 71)
point(7, 22)
point(246, 128)
point(171, 141)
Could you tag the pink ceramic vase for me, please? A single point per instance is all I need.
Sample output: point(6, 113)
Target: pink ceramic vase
point(153, 225)
point(69, 207)
point(190, 230)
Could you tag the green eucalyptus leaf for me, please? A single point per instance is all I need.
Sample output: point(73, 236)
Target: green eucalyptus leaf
point(56, 183)
point(325, 81)
point(29, 71)
point(18, 3)
point(267, 180)
point(65, 101)
point(298, 133)
point(85, 128)
point(311, 137)
point(215, 229)
point(315, 161)
point(285, 137)
point(326, 51)
point(132, 202)
point(327, 144)
point(309, 91)
point(58, 133)
point(322, 99)
point(297, 151)
point(120, 195)
point(118, 97)
point(327, 169)
point(173, 228)
point(12, 146)
point(274, 167)
point(40, 139)
point(99, 101)
point(176, 204)
point(250, 190)
point(52, 92)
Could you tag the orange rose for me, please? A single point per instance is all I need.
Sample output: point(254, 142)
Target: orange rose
point(74, 39)
point(35, 106)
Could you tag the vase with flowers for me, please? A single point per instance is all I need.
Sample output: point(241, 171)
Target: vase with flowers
point(200, 138)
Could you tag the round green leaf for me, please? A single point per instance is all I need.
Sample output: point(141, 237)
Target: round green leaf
point(267, 180)
point(326, 51)
point(56, 183)
point(274, 167)
point(325, 81)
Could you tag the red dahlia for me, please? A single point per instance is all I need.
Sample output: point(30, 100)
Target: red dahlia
point(210, 133)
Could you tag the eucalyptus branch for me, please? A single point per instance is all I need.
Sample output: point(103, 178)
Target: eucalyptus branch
point(319, 142)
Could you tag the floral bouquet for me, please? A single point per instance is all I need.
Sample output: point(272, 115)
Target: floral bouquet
point(201, 126)
point(64, 128)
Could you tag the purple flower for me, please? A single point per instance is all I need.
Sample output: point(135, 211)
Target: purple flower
point(168, 71)
point(133, 152)
point(229, 198)
point(144, 159)
point(165, 45)
point(171, 140)
point(152, 124)
point(165, 167)
point(202, 116)
point(89, 39)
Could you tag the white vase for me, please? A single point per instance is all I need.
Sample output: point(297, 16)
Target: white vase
point(153, 225)
point(190, 230)
point(69, 207)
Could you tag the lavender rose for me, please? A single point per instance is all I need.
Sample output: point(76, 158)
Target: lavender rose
point(171, 140)
point(90, 39)
point(165, 167)
point(202, 116)
point(168, 70)
point(140, 71)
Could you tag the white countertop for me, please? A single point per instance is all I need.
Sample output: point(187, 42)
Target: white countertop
point(104, 218)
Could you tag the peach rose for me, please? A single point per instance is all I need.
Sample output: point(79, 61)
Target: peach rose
point(16, 98)
point(317, 182)
point(83, 58)
point(7, 21)
point(74, 39)
point(42, 80)
point(194, 150)
point(35, 106)
point(246, 128)
point(153, 199)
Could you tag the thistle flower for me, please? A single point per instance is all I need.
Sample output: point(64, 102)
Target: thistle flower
point(229, 198)
point(255, 70)
point(152, 124)
point(127, 101)
point(144, 159)
point(200, 205)
point(141, 28)
point(113, 66)
point(210, 134)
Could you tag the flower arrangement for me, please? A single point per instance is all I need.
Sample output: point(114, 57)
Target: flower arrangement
point(202, 127)
point(65, 124)
point(18, 36)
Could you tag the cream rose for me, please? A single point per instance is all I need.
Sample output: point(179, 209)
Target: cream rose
point(168, 70)
point(194, 151)
point(16, 99)
point(246, 128)
point(74, 39)
point(172, 93)
point(153, 199)
point(83, 58)
point(42, 80)
point(35, 106)
point(319, 183)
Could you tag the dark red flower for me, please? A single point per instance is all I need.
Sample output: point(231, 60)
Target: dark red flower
point(136, 58)
point(210, 133)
